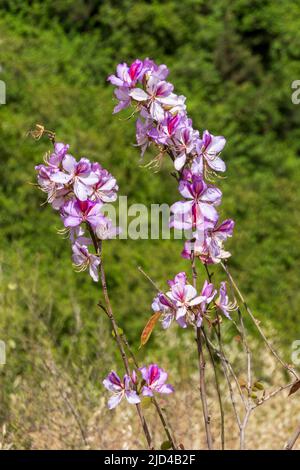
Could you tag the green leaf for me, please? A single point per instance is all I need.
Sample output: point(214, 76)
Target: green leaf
point(166, 445)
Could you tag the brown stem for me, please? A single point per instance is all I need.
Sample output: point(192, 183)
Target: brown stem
point(217, 387)
point(162, 418)
point(243, 428)
point(292, 441)
point(109, 312)
point(275, 354)
point(201, 363)
point(203, 395)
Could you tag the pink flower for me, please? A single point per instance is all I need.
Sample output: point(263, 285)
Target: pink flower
point(106, 188)
point(120, 389)
point(155, 379)
point(75, 212)
point(157, 97)
point(208, 244)
point(208, 293)
point(143, 134)
point(159, 71)
point(82, 259)
point(198, 209)
point(223, 302)
point(184, 142)
point(166, 307)
point(164, 131)
point(60, 151)
point(127, 76)
point(209, 147)
point(105, 230)
point(79, 174)
point(184, 296)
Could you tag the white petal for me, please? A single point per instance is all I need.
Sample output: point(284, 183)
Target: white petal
point(138, 94)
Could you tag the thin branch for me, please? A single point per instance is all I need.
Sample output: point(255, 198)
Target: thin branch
point(160, 413)
point(201, 363)
point(256, 323)
point(292, 441)
point(218, 389)
point(109, 312)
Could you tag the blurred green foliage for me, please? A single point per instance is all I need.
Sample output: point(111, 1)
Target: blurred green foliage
point(235, 62)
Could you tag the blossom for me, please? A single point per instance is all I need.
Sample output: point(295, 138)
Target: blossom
point(82, 259)
point(209, 147)
point(208, 293)
point(75, 212)
point(120, 389)
point(106, 230)
point(159, 71)
point(223, 302)
point(208, 244)
point(199, 208)
point(184, 142)
point(155, 379)
point(127, 77)
point(105, 189)
point(158, 97)
point(164, 131)
point(184, 297)
point(60, 151)
point(143, 134)
point(79, 174)
point(161, 303)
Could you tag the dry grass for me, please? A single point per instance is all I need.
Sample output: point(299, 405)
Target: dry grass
point(55, 411)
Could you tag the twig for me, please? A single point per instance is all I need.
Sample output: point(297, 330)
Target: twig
point(109, 312)
point(275, 354)
point(201, 363)
point(292, 441)
point(68, 403)
point(218, 389)
point(163, 419)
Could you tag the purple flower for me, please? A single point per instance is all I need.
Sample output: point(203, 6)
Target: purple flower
point(161, 303)
point(180, 277)
point(158, 97)
point(155, 379)
point(75, 212)
point(106, 188)
point(223, 302)
point(159, 71)
point(142, 134)
point(183, 296)
point(60, 151)
point(184, 144)
point(209, 147)
point(163, 132)
point(208, 243)
point(82, 259)
point(105, 230)
point(120, 389)
point(77, 173)
point(208, 293)
point(122, 94)
point(199, 207)
point(127, 76)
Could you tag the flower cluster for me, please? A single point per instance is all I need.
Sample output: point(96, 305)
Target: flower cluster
point(153, 380)
point(163, 122)
point(78, 190)
point(183, 304)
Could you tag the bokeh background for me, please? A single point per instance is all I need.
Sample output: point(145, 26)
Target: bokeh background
point(235, 62)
